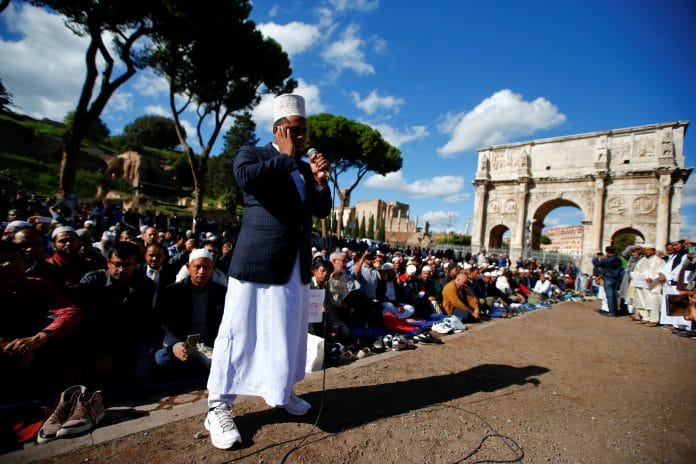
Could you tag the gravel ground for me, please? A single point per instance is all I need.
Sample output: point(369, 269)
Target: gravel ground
point(560, 385)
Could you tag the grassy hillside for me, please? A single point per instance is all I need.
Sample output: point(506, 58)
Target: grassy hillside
point(30, 159)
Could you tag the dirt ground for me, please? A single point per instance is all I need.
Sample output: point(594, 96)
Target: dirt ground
point(560, 385)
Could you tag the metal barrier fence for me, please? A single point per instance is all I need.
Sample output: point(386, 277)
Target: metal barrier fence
point(541, 256)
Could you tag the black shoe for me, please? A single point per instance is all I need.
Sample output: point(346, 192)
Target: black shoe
point(606, 314)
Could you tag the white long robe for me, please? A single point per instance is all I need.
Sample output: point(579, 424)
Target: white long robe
point(649, 298)
point(261, 347)
point(672, 275)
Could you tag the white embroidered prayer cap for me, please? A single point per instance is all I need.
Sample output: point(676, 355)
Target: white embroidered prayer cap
point(200, 253)
point(288, 104)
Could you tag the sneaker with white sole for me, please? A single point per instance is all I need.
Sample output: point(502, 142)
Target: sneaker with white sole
point(297, 406)
point(223, 431)
point(88, 411)
point(63, 410)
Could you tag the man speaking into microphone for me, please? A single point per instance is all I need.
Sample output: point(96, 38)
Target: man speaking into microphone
point(261, 346)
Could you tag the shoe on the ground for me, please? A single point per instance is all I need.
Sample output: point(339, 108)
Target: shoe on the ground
point(63, 410)
point(88, 411)
point(223, 431)
point(297, 406)
point(378, 345)
point(651, 324)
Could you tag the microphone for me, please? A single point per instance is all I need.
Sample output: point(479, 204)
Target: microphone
point(311, 153)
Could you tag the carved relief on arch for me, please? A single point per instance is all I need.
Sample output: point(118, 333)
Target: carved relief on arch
point(643, 204)
point(644, 147)
point(616, 205)
point(494, 206)
point(510, 206)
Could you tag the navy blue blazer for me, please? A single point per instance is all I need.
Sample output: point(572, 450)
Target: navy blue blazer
point(276, 223)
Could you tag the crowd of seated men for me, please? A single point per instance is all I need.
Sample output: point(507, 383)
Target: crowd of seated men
point(373, 293)
point(90, 301)
point(107, 306)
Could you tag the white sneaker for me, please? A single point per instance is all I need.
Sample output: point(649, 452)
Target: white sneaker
point(223, 432)
point(297, 406)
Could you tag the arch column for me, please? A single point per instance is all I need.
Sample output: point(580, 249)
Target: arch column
point(598, 216)
point(520, 233)
point(663, 204)
point(478, 233)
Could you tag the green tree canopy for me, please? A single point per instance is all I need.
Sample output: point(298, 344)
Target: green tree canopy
point(97, 131)
point(371, 227)
point(350, 145)
point(241, 133)
point(219, 79)
point(152, 131)
point(5, 98)
point(220, 180)
point(126, 22)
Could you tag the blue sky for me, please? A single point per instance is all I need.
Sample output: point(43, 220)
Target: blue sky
point(438, 79)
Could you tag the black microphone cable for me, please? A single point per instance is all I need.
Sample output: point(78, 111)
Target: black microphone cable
point(304, 439)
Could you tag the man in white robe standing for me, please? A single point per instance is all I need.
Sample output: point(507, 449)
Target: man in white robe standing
point(261, 346)
point(670, 277)
point(647, 300)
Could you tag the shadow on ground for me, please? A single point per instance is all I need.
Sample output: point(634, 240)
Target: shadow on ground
point(346, 408)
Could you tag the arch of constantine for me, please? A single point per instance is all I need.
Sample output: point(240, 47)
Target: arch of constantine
point(622, 180)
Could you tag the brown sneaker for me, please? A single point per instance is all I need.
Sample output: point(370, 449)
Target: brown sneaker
point(88, 411)
point(63, 410)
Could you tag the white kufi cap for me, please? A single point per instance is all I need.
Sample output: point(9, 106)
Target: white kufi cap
point(288, 105)
point(200, 253)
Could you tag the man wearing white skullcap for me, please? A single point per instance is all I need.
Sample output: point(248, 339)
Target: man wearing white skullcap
point(647, 300)
point(261, 346)
point(191, 313)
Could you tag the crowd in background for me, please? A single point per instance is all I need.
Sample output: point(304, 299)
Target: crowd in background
point(112, 298)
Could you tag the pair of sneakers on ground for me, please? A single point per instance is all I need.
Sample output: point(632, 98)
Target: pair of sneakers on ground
point(223, 431)
point(78, 411)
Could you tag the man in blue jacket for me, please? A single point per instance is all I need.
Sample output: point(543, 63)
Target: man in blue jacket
point(261, 346)
point(612, 273)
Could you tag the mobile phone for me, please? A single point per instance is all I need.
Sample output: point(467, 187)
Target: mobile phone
point(191, 344)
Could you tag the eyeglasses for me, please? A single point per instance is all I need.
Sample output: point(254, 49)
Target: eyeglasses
point(297, 130)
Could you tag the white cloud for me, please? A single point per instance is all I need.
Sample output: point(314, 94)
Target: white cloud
point(43, 69)
point(158, 110)
point(374, 102)
point(437, 187)
point(263, 113)
point(120, 101)
point(346, 53)
point(398, 137)
point(456, 198)
point(689, 194)
point(149, 84)
point(497, 119)
point(358, 5)
point(440, 219)
point(294, 37)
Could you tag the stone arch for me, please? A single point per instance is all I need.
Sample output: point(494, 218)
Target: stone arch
point(628, 230)
point(495, 239)
point(539, 215)
point(621, 179)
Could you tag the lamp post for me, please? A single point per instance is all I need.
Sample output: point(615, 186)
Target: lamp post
point(450, 223)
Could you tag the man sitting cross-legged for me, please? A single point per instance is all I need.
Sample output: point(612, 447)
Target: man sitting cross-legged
point(191, 311)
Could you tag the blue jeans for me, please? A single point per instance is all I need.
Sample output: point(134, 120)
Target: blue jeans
point(611, 290)
point(196, 364)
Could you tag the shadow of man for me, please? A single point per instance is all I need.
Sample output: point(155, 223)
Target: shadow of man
point(349, 407)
